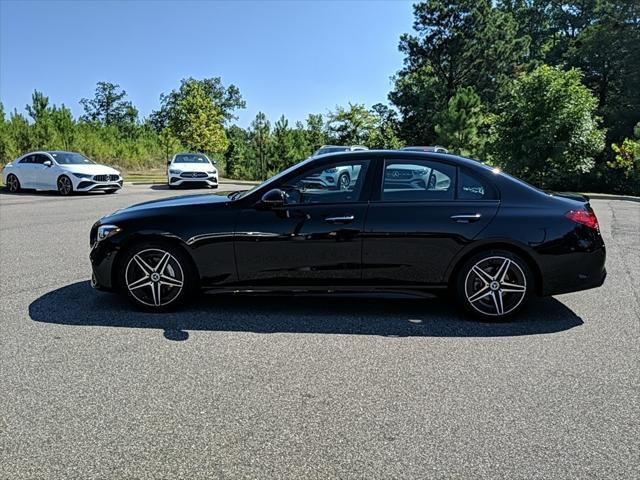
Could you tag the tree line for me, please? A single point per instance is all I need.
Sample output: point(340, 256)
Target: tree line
point(549, 90)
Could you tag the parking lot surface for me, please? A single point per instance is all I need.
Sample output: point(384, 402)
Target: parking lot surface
point(305, 387)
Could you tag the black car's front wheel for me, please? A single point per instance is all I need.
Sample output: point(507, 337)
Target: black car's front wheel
point(494, 285)
point(156, 276)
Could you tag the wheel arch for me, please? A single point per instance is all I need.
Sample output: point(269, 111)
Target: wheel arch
point(134, 240)
point(519, 250)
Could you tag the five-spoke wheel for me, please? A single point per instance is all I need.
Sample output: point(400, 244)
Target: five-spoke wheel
point(156, 276)
point(494, 285)
point(65, 187)
point(13, 184)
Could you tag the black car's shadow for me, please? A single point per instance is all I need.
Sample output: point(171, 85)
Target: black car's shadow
point(77, 304)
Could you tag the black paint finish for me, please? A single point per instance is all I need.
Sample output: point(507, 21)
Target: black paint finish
point(374, 245)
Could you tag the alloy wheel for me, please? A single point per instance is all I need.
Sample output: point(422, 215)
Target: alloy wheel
point(13, 184)
point(154, 277)
point(495, 286)
point(344, 181)
point(64, 185)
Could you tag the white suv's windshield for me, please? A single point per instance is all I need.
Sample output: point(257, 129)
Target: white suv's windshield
point(70, 158)
point(191, 158)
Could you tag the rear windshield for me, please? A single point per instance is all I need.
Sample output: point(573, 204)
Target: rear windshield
point(191, 158)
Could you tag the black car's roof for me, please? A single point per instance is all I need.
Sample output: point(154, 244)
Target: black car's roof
point(445, 157)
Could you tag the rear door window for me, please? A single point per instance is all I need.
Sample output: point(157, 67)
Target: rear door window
point(417, 180)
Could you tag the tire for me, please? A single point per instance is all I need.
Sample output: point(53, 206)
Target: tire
point(65, 186)
point(344, 180)
point(153, 281)
point(494, 285)
point(13, 184)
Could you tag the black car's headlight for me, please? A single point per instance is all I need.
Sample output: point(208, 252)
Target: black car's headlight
point(82, 175)
point(106, 231)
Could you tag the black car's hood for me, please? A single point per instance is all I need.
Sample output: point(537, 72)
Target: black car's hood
point(181, 201)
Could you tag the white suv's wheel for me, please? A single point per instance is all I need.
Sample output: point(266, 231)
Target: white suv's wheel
point(494, 285)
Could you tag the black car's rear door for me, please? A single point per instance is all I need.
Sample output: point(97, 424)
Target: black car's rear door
point(315, 239)
point(425, 212)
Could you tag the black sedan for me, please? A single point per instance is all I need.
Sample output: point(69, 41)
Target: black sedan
point(406, 222)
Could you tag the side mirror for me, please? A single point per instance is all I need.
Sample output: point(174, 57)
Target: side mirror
point(47, 163)
point(273, 198)
point(168, 162)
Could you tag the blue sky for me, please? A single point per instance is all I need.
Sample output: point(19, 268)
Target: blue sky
point(287, 57)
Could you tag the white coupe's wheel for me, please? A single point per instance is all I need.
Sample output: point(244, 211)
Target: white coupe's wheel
point(65, 187)
point(13, 184)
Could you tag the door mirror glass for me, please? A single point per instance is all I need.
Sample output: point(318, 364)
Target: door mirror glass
point(273, 198)
point(47, 163)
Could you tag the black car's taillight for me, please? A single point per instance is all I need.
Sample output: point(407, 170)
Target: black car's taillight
point(583, 217)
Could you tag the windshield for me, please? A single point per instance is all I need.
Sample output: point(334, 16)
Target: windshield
point(270, 180)
point(190, 158)
point(70, 158)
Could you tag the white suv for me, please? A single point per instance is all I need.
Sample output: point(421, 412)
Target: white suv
point(324, 149)
point(191, 169)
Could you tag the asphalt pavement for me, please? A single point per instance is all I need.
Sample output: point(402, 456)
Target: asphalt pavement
point(305, 386)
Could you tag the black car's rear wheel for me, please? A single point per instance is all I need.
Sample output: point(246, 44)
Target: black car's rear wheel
point(156, 276)
point(13, 184)
point(494, 285)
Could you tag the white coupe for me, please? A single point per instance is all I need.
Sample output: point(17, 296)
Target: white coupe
point(66, 172)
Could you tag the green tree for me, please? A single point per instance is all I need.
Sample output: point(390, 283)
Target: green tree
point(108, 106)
point(260, 139)
point(315, 131)
point(352, 125)
point(238, 153)
point(282, 154)
point(627, 162)
point(459, 127)
point(385, 133)
point(64, 125)
point(168, 142)
point(300, 144)
point(457, 43)
point(195, 120)
point(547, 129)
point(226, 99)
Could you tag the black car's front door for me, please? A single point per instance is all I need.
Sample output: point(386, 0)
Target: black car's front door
point(315, 239)
point(420, 220)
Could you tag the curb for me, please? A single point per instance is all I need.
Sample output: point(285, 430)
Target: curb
point(605, 196)
point(226, 180)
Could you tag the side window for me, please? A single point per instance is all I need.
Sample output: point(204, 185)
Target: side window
point(334, 183)
point(471, 187)
point(417, 180)
point(27, 159)
point(39, 158)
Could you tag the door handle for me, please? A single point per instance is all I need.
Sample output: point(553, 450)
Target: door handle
point(342, 219)
point(466, 218)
